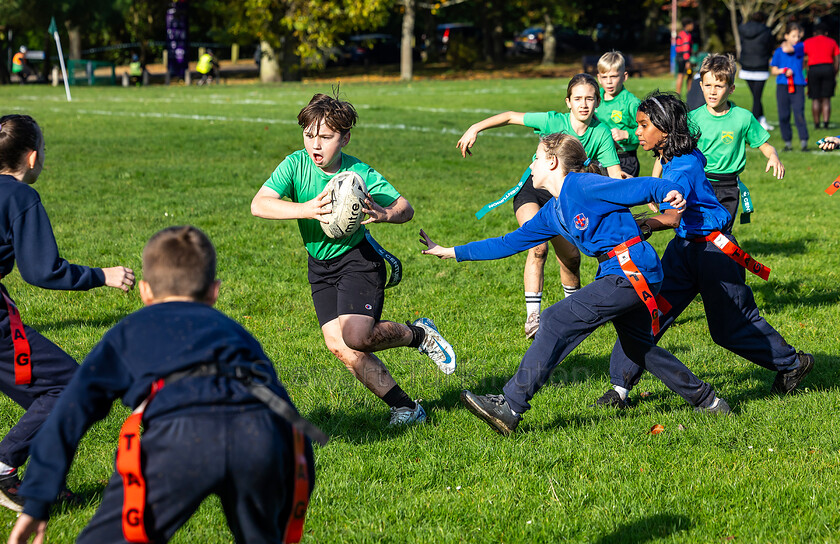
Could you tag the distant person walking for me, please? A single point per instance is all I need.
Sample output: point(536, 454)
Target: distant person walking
point(20, 66)
point(685, 41)
point(823, 63)
point(757, 45)
point(208, 67)
point(786, 65)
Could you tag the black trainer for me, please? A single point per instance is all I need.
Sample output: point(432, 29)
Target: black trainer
point(718, 406)
point(610, 399)
point(786, 381)
point(9, 487)
point(493, 409)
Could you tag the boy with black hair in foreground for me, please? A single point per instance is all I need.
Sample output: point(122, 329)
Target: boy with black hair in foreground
point(215, 418)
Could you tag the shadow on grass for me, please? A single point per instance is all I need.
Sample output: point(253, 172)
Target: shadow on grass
point(102, 321)
point(787, 248)
point(647, 529)
point(87, 496)
point(776, 295)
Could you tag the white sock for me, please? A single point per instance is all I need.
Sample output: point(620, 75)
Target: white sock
point(622, 392)
point(6, 469)
point(714, 403)
point(532, 302)
point(569, 291)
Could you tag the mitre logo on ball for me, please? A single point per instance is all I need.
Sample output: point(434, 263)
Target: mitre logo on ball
point(348, 192)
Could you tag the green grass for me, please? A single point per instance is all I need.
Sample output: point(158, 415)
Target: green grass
point(123, 163)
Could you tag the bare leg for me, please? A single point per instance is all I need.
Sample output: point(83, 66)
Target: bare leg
point(826, 110)
point(569, 258)
point(815, 111)
point(679, 83)
point(366, 367)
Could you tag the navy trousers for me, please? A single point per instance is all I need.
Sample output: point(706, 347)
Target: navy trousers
point(52, 369)
point(244, 457)
point(693, 268)
point(565, 324)
point(788, 103)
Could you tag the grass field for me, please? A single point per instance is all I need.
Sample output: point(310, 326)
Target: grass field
point(124, 163)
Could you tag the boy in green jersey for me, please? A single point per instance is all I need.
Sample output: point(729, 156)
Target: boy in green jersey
point(725, 129)
point(347, 275)
point(617, 110)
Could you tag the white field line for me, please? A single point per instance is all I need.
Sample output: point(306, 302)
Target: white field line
point(271, 121)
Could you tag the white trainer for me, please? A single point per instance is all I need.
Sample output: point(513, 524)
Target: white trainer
point(436, 347)
point(406, 416)
point(532, 325)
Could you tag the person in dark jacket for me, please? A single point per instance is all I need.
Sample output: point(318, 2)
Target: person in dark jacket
point(33, 370)
point(757, 46)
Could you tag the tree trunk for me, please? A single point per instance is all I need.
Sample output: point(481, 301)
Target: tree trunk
point(549, 42)
point(289, 60)
point(269, 65)
point(733, 19)
point(702, 22)
point(74, 47)
point(406, 59)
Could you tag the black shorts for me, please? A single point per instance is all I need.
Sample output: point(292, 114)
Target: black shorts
point(529, 193)
point(821, 81)
point(352, 283)
point(629, 163)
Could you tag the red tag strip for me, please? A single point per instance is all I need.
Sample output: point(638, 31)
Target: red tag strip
point(834, 186)
point(737, 254)
point(23, 352)
point(294, 528)
point(128, 466)
point(663, 304)
point(637, 280)
point(134, 485)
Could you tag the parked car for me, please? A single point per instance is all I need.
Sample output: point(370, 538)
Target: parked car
point(372, 49)
point(449, 32)
point(530, 40)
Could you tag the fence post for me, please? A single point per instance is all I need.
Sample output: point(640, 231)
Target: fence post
point(56, 75)
point(234, 53)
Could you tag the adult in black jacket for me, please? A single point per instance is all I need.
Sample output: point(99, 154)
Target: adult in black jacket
point(757, 46)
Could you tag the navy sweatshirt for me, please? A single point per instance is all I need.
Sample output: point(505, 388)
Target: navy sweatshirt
point(592, 213)
point(148, 344)
point(703, 213)
point(26, 235)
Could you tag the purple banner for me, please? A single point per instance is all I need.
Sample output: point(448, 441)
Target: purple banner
point(178, 38)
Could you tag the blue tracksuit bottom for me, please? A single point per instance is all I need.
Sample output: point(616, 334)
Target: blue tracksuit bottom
point(52, 369)
point(565, 324)
point(243, 455)
point(693, 268)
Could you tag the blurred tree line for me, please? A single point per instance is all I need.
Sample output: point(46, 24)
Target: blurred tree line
point(296, 33)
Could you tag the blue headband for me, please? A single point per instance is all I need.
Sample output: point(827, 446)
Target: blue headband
point(586, 162)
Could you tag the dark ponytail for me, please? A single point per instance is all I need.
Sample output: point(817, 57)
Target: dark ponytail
point(19, 134)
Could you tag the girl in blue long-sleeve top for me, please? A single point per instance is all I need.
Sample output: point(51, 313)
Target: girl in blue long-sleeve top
point(590, 211)
point(33, 370)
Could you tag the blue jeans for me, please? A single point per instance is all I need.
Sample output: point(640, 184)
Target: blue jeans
point(791, 102)
point(565, 324)
point(693, 268)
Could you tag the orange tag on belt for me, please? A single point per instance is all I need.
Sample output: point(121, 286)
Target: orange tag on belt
point(294, 528)
point(834, 186)
point(134, 485)
point(128, 467)
point(23, 352)
point(637, 280)
point(737, 254)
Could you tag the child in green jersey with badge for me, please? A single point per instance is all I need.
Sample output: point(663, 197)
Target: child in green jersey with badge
point(582, 98)
point(725, 130)
point(617, 110)
point(348, 275)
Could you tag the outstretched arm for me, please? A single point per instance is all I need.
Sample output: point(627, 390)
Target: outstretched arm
point(772, 160)
point(268, 205)
point(829, 142)
point(498, 120)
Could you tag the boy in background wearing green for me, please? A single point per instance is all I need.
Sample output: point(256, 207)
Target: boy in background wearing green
point(617, 110)
point(725, 129)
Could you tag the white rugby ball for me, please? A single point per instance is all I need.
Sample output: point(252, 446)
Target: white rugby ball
point(347, 191)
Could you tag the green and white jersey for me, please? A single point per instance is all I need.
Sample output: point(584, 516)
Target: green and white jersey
point(723, 138)
point(597, 140)
point(620, 113)
point(300, 180)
